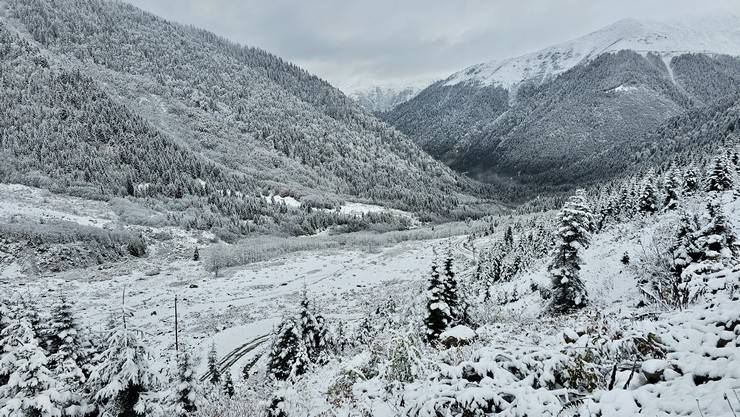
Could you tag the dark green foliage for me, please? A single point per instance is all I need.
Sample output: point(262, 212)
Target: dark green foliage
point(314, 332)
point(718, 237)
point(288, 356)
point(569, 293)
point(720, 176)
point(214, 370)
point(438, 312)
point(690, 181)
point(276, 408)
point(228, 385)
point(670, 201)
point(137, 246)
point(647, 203)
point(186, 389)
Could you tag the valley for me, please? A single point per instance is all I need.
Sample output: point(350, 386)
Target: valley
point(193, 227)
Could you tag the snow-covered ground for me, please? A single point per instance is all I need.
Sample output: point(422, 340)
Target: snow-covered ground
point(239, 305)
point(239, 309)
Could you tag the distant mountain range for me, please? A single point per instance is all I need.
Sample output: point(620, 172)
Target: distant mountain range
point(560, 116)
point(379, 98)
point(103, 99)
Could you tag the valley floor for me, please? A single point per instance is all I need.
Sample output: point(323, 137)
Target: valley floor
point(240, 307)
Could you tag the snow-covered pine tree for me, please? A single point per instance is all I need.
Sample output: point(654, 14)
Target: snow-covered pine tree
point(685, 250)
point(186, 392)
point(288, 357)
point(68, 353)
point(734, 158)
point(228, 385)
point(438, 314)
point(30, 389)
point(647, 204)
point(716, 237)
point(314, 332)
point(720, 177)
point(670, 202)
point(124, 382)
point(690, 181)
point(491, 275)
point(277, 406)
point(569, 292)
point(214, 373)
point(509, 237)
point(365, 333)
point(451, 292)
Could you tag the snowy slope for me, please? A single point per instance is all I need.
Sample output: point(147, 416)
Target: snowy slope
point(715, 34)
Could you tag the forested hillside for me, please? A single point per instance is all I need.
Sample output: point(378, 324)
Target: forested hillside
point(125, 103)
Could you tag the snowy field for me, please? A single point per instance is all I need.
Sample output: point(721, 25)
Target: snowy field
point(240, 305)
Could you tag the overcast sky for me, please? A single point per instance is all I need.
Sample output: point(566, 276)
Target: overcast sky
point(354, 43)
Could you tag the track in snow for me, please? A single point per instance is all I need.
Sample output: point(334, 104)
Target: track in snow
point(233, 357)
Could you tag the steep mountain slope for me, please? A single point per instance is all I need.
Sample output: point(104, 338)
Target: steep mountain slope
point(196, 105)
point(535, 118)
point(380, 98)
point(707, 34)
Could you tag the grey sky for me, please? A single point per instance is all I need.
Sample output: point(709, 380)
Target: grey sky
point(355, 43)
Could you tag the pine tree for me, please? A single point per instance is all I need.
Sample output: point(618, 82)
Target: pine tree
point(685, 250)
point(720, 178)
point(690, 181)
point(30, 389)
point(68, 352)
point(228, 385)
point(647, 203)
point(438, 315)
point(288, 356)
point(186, 393)
point(451, 293)
point(214, 373)
point(569, 293)
point(277, 406)
point(670, 202)
point(365, 333)
point(314, 332)
point(124, 381)
point(717, 238)
point(509, 237)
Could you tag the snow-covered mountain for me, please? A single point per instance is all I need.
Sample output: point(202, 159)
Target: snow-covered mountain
point(383, 98)
point(708, 34)
point(553, 116)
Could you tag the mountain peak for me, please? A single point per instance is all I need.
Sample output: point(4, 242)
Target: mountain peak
point(719, 34)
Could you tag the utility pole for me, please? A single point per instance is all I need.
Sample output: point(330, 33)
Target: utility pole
point(177, 345)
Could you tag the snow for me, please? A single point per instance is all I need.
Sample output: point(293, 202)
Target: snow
point(287, 200)
point(624, 88)
point(34, 204)
point(359, 209)
point(461, 333)
point(710, 34)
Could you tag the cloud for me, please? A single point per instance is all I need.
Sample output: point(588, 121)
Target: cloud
point(354, 43)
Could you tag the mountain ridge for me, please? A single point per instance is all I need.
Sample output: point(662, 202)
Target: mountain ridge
point(669, 39)
point(553, 125)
